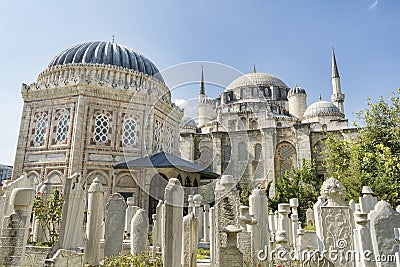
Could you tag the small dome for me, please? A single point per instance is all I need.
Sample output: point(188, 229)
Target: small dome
point(321, 108)
point(188, 122)
point(256, 79)
point(106, 53)
point(296, 90)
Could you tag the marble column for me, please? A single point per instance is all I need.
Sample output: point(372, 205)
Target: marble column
point(94, 221)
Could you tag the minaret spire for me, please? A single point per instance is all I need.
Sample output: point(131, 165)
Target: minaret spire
point(202, 89)
point(337, 96)
point(335, 71)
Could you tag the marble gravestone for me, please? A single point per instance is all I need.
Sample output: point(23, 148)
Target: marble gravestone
point(383, 220)
point(336, 230)
point(114, 225)
point(173, 229)
point(139, 232)
point(189, 241)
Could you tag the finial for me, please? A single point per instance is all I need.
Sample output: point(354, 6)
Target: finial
point(254, 69)
point(320, 97)
point(113, 39)
point(202, 89)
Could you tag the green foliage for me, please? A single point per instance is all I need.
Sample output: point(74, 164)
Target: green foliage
point(302, 183)
point(244, 192)
point(203, 253)
point(373, 157)
point(49, 214)
point(141, 260)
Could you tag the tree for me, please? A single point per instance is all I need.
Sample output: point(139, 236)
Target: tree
point(303, 183)
point(49, 215)
point(373, 157)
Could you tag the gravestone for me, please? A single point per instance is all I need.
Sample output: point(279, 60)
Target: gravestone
point(310, 221)
point(157, 227)
point(230, 255)
point(318, 221)
point(249, 238)
point(336, 230)
point(212, 237)
point(189, 241)
point(9, 185)
point(40, 232)
point(383, 220)
point(198, 213)
point(397, 238)
point(94, 221)
point(173, 229)
point(294, 218)
point(259, 210)
point(139, 232)
point(362, 240)
point(226, 210)
point(367, 201)
point(71, 229)
point(14, 235)
point(114, 225)
point(130, 212)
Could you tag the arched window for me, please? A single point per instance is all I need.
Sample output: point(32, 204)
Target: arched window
point(40, 130)
point(187, 182)
point(179, 178)
point(242, 151)
point(129, 132)
point(101, 125)
point(157, 136)
point(62, 127)
point(168, 143)
point(243, 123)
point(257, 151)
point(253, 124)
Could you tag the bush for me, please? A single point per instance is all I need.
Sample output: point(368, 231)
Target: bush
point(141, 260)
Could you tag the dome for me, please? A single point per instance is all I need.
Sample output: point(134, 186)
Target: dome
point(257, 78)
point(296, 90)
point(321, 108)
point(106, 53)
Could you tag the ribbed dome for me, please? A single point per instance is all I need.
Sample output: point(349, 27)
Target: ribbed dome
point(321, 108)
point(106, 53)
point(296, 90)
point(256, 79)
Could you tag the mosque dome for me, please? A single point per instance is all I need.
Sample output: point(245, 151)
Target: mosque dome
point(256, 79)
point(296, 90)
point(106, 53)
point(321, 108)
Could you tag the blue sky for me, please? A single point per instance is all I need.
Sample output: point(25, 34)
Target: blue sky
point(289, 39)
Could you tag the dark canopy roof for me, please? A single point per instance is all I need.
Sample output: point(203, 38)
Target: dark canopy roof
point(165, 160)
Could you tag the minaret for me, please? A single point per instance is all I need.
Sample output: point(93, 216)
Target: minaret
point(206, 109)
point(338, 96)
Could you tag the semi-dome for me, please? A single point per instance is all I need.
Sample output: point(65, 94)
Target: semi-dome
point(321, 108)
point(256, 79)
point(106, 53)
point(296, 90)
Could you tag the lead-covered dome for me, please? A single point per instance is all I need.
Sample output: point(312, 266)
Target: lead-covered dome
point(296, 90)
point(256, 79)
point(106, 53)
point(321, 108)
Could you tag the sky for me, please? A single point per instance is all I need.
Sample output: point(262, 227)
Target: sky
point(288, 39)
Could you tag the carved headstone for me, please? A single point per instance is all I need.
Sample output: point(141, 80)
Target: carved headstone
point(206, 223)
point(198, 213)
point(230, 255)
point(383, 219)
point(173, 229)
point(336, 221)
point(14, 235)
point(94, 221)
point(189, 241)
point(362, 239)
point(310, 221)
point(114, 225)
point(139, 232)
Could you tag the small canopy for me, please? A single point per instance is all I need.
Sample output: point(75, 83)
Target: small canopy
point(166, 160)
